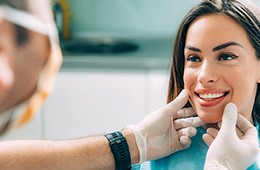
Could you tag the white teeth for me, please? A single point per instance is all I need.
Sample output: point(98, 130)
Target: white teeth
point(211, 96)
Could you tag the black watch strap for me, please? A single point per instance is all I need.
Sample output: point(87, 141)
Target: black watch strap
point(120, 150)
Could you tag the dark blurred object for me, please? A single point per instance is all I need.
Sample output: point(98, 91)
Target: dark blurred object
point(61, 16)
point(105, 46)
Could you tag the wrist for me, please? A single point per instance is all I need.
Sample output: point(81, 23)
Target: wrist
point(133, 149)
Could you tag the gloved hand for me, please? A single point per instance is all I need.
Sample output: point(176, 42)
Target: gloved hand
point(166, 130)
point(228, 151)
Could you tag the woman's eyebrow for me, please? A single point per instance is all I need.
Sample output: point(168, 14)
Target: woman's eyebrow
point(219, 47)
point(225, 45)
point(192, 48)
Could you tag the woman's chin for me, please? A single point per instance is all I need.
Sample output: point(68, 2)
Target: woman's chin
point(210, 119)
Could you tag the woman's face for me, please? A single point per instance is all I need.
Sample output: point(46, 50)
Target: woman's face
point(220, 67)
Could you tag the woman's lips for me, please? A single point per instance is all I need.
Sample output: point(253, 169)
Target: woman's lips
point(210, 99)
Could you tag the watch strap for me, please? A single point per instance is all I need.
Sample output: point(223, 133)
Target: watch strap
point(120, 150)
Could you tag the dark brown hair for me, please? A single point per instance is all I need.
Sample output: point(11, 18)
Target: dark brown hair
point(243, 12)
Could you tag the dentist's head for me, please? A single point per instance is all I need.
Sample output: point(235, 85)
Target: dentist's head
point(29, 58)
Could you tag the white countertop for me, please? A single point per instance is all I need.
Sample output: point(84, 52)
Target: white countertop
point(152, 54)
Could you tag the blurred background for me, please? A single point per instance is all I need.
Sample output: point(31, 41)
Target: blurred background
point(150, 18)
point(116, 65)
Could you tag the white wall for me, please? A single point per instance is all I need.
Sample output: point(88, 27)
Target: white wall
point(129, 16)
point(151, 17)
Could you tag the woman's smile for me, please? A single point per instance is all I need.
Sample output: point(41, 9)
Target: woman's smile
point(210, 98)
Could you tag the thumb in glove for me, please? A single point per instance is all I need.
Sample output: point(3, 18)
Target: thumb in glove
point(156, 135)
point(228, 151)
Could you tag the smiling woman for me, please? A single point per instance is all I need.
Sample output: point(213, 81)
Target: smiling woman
point(221, 71)
point(216, 58)
point(216, 65)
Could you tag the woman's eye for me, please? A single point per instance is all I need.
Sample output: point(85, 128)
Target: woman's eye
point(193, 58)
point(226, 57)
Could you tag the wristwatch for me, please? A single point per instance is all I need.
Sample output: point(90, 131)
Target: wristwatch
point(120, 150)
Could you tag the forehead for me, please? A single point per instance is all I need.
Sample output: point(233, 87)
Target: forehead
point(214, 29)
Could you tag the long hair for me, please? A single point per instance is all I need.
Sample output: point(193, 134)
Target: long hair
point(243, 12)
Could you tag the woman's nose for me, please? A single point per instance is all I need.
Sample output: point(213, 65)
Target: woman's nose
point(207, 74)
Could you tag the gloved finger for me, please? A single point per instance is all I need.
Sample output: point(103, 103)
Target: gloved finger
point(229, 120)
point(210, 135)
point(185, 112)
point(212, 132)
point(251, 136)
point(207, 139)
point(250, 133)
point(243, 124)
point(185, 142)
point(219, 124)
point(177, 103)
point(240, 134)
point(186, 122)
point(189, 131)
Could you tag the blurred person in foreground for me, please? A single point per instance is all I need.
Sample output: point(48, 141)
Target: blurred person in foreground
point(29, 59)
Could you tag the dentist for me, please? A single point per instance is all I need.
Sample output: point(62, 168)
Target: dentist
point(29, 59)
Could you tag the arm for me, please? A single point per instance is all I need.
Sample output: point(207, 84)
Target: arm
point(159, 134)
point(92, 152)
point(85, 153)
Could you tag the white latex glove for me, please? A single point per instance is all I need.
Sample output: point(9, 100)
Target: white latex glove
point(228, 151)
point(166, 130)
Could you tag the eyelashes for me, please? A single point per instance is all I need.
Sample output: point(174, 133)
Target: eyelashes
point(227, 57)
point(193, 58)
point(220, 57)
